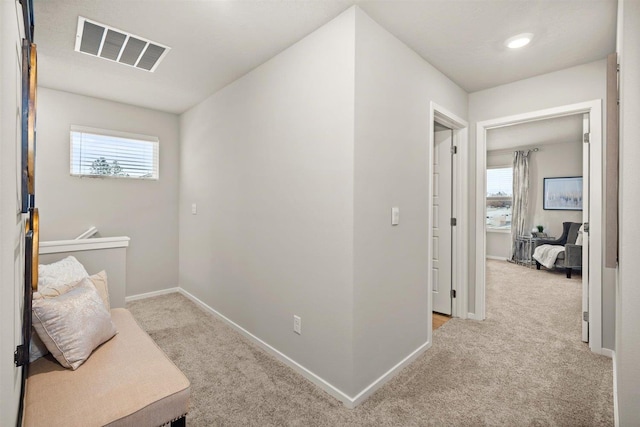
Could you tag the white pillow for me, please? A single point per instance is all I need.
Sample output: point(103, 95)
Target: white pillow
point(580, 235)
point(98, 280)
point(68, 270)
point(72, 325)
point(37, 349)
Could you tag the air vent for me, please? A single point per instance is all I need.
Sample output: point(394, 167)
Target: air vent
point(106, 42)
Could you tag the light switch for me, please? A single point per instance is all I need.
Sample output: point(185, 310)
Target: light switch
point(194, 209)
point(395, 216)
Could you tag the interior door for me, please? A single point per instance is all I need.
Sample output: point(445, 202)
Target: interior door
point(585, 221)
point(442, 208)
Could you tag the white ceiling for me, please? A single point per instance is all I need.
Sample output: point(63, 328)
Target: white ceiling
point(215, 42)
point(536, 134)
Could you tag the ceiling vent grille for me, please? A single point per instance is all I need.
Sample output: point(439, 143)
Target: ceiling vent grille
point(106, 42)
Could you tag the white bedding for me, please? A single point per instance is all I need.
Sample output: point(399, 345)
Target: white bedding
point(547, 254)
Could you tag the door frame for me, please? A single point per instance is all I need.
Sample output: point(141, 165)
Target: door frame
point(594, 109)
point(460, 188)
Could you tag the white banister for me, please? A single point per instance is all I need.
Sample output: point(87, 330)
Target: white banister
point(92, 231)
point(57, 246)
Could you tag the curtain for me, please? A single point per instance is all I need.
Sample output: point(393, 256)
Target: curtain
point(520, 199)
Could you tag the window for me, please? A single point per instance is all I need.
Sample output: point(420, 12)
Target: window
point(499, 198)
point(105, 153)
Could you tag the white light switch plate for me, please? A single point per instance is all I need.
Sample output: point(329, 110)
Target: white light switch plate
point(395, 216)
point(297, 324)
point(194, 209)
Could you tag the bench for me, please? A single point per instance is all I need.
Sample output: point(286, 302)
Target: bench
point(127, 381)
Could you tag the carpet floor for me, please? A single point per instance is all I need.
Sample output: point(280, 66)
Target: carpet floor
point(523, 366)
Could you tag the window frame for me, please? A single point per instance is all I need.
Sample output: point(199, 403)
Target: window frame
point(116, 134)
point(487, 227)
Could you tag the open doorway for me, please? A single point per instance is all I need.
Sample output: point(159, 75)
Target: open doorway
point(590, 112)
point(448, 195)
point(443, 220)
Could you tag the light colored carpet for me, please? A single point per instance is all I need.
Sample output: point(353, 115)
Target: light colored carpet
point(524, 365)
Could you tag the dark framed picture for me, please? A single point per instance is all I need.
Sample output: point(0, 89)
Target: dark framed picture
point(28, 117)
point(24, 146)
point(27, 17)
point(563, 194)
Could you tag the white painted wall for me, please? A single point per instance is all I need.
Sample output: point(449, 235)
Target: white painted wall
point(294, 169)
point(552, 160)
point(144, 210)
point(569, 86)
point(394, 87)
point(628, 291)
point(269, 162)
point(11, 222)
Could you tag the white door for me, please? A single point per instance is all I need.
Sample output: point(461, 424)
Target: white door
point(442, 202)
point(585, 220)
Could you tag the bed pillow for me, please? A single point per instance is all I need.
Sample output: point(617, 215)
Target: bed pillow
point(67, 270)
point(73, 324)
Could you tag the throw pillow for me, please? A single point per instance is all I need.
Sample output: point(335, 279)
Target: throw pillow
point(98, 280)
point(67, 270)
point(37, 349)
point(73, 324)
point(580, 235)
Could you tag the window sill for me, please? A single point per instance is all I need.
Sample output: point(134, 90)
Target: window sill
point(499, 231)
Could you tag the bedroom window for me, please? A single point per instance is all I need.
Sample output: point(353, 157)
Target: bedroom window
point(499, 198)
point(112, 154)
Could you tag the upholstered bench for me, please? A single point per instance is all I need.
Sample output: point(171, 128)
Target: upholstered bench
point(127, 381)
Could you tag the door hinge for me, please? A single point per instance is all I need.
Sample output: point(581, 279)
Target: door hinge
point(20, 355)
point(586, 227)
point(585, 316)
point(454, 149)
point(454, 222)
point(585, 138)
point(453, 293)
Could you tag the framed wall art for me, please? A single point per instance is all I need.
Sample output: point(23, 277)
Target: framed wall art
point(28, 124)
point(563, 194)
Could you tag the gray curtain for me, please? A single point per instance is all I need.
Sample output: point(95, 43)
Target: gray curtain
point(520, 198)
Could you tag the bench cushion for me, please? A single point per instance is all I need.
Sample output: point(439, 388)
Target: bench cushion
point(127, 381)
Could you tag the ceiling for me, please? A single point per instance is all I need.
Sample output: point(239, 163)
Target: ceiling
point(215, 42)
point(536, 134)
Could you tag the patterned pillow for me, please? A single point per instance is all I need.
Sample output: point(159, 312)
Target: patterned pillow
point(37, 349)
point(68, 270)
point(73, 324)
point(98, 280)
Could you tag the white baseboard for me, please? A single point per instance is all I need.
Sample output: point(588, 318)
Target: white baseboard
point(348, 401)
point(151, 294)
point(371, 388)
point(607, 352)
point(499, 258)
point(324, 385)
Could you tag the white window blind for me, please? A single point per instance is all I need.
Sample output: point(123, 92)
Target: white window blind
point(105, 153)
point(499, 198)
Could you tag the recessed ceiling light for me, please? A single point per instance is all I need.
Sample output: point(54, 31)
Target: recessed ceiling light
point(518, 41)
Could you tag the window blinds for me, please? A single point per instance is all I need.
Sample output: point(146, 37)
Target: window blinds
point(104, 153)
point(500, 182)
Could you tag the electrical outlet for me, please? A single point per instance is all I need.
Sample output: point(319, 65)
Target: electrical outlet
point(297, 324)
point(194, 209)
